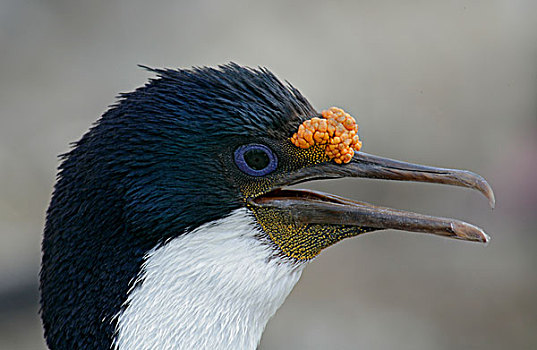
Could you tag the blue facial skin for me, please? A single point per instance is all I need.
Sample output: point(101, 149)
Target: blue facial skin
point(255, 159)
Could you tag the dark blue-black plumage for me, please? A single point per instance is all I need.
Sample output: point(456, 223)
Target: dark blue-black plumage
point(154, 166)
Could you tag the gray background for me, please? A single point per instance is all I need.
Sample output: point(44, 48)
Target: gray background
point(446, 83)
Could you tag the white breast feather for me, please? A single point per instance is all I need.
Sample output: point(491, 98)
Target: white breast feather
point(213, 288)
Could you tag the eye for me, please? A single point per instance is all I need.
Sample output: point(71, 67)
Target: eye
point(255, 159)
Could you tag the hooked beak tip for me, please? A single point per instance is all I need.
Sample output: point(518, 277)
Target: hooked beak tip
point(483, 186)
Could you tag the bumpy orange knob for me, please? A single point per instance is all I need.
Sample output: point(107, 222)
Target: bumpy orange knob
point(338, 131)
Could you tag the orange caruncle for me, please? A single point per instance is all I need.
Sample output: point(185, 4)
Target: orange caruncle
point(338, 131)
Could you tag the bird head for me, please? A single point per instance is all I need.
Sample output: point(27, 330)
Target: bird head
point(188, 149)
point(224, 139)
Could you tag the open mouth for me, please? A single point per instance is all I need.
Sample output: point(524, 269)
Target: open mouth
point(312, 207)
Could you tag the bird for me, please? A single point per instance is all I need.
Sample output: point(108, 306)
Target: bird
point(172, 224)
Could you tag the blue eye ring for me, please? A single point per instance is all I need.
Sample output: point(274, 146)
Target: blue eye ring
point(243, 153)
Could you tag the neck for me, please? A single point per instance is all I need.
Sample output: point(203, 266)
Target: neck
point(213, 288)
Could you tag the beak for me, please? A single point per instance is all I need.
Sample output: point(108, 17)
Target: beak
point(308, 207)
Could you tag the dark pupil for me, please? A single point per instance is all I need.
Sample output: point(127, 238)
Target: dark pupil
point(256, 159)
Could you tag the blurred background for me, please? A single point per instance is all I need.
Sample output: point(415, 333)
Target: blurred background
point(444, 83)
